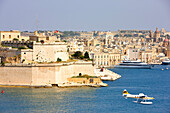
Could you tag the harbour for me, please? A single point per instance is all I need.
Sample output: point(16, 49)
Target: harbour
point(153, 82)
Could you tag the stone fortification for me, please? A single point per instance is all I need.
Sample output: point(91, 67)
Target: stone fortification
point(42, 74)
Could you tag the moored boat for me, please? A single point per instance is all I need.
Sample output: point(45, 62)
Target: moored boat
point(166, 62)
point(133, 65)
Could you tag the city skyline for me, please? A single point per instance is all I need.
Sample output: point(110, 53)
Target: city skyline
point(86, 15)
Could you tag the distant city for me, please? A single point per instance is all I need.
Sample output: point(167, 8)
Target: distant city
point(103, 48)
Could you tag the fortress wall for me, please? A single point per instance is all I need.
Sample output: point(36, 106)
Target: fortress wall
point(42, 75)
point(73, 70)
point(15, 75)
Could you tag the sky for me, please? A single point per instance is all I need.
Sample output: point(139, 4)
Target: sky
point(84, 15)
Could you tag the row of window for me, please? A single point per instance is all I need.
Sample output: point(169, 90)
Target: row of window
point(9, 36)
point(104, 63)
point(113, 57)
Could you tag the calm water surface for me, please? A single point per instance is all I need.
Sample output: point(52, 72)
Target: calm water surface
point(152, 82)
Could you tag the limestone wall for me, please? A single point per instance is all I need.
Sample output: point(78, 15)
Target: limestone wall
point(15, 75)
point(42, 75)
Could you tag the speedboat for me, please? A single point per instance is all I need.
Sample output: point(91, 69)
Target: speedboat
point(133, 65)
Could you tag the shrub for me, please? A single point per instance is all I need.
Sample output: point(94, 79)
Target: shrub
point(21, 47)
point(2, 63)
point(59, 60)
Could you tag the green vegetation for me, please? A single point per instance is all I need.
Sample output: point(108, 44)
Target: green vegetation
point(23, 60)
point(77, 54)
point(128, 35)
point(84, 76)
point(59, 60)
point(141, 36)
point(22, 47)
point(86, 55)
point(15, 39)
point(2, 63)
point(118, 35)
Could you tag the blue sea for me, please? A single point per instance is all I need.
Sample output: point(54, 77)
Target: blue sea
point(152, 82)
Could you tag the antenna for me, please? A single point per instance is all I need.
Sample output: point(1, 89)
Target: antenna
point(36, 23)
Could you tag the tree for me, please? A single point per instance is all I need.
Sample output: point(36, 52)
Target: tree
point(81, 56)
point(2, 63)
point(86, 55)
point(59, 60)
point(77, 54)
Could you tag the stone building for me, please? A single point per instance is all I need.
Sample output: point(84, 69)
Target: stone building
point(106, 59)
point(42, 37)
point(157, 34)
point(12, 35)
point(133, 54)
point(46, 52)
point(9, 35)
point(10, 55)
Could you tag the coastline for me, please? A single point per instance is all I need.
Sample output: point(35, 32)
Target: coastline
point(50, 75)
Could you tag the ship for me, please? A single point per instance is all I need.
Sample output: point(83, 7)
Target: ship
point(133, 65)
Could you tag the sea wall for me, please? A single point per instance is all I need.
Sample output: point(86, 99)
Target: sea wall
point(41, 75)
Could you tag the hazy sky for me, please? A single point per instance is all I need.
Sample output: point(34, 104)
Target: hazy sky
point(84, 15)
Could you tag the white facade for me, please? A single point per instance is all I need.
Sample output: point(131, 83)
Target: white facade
point(9, 35)
point(46, 52)
point(133, 54)
point(106, 59)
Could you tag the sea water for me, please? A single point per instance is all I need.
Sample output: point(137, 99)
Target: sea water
point(152, 82)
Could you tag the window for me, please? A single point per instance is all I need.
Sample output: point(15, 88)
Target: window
point(91, 80)
point(18, 36)
point(47, 38)
point(9, 36)
point(24, 53)
point(3, 36)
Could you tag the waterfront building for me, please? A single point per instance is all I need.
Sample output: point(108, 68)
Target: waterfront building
point(148, 56)
point(133, 54)
point(106, 59)
point(168, 51)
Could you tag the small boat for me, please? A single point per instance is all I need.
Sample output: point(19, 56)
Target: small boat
point(133, 65)
point(166, 62)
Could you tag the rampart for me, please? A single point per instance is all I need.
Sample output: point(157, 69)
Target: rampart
point(42, 74)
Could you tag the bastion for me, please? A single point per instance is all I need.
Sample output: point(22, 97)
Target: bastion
point(42, 75)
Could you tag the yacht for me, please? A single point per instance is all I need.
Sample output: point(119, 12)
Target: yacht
point(133, 65)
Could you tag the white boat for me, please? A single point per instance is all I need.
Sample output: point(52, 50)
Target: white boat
point(166, 62)
point(133, 65)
